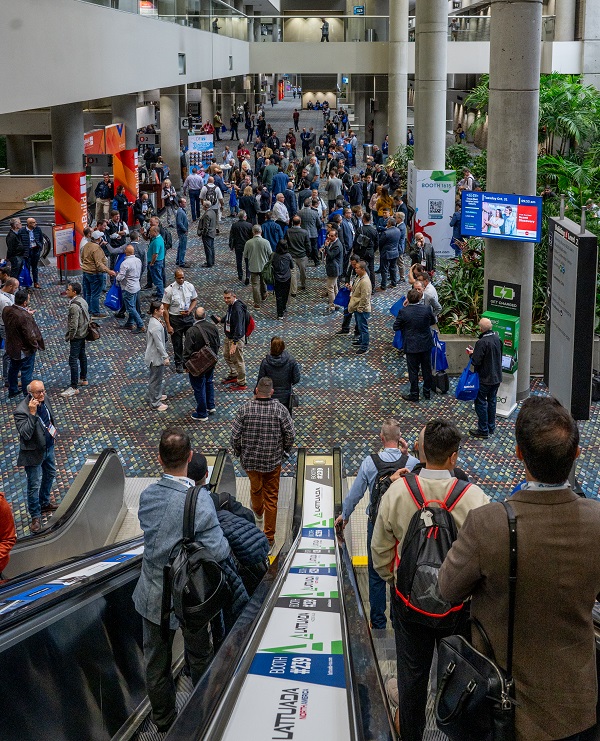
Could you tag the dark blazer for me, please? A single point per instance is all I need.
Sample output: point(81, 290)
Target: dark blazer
point(333, 259)
point(558, 580)
point(415, 321)
point(487, 358)
point(22, 332)
point(198, 336)
point(14, 246)
point(429, 256)
point(24, 237)
point(239, 234)
point(389, 241)
point(298, 242)
point(32, 434)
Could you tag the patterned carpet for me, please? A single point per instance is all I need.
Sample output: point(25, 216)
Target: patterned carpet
point(343, 397)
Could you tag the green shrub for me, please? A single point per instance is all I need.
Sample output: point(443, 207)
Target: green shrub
point(42, 195)
point(458, 157)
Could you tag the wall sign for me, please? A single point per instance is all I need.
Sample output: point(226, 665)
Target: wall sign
point(504, 297)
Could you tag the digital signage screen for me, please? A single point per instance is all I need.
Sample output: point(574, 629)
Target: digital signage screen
point(501, 216)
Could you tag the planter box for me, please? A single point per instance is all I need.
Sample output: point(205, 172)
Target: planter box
point(456, 350)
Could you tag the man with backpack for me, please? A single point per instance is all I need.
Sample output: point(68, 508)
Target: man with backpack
point(235, 324)
point(416, 525)
point(374, 475)
point(161, 515)
point(214, 195)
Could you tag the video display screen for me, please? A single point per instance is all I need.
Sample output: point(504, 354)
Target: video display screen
point(501, 216)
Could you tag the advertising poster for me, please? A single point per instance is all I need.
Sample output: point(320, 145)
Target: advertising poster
point(200, 143)
point(501, 216)
point(70, 206)
point(115, 138)
point(431, 193)
point(125, 172)
point(94, 142)
point(63, 239)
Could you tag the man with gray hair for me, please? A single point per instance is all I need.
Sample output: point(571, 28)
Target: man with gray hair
point(259, 252)
point(375, 471)
point(15, 251)
point(486, 357)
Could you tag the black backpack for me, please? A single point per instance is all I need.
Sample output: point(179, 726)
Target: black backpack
point(429, 537)
point(382, 481)
point(211, 194)
point(167, 237)
point(195, 587)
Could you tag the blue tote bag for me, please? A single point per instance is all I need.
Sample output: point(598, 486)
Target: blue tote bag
point(398, 342)
point(395, 308)
point(439, 361)
point(114, 295)
point(467, 387)
point(343, 297)
point(25, 280)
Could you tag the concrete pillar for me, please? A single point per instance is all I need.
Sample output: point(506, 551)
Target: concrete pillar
point(226, 100)
point(515, 47)
point(207, 110)
point(277, 36)
point(125, 163)
point(380, 116)
point(564, 22)
point(169, 132)
point(431, 82)
point(275, 87)
point(398, 71)
point(70, 197)
point(256, 26)
point(591, 44)
point(205, 19)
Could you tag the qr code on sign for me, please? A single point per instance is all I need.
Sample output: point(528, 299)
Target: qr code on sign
point(436, 208)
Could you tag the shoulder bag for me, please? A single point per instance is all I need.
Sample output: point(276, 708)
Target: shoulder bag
point(475, 696)
point(203, 360)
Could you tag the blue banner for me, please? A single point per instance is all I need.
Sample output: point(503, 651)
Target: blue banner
point(325, 669)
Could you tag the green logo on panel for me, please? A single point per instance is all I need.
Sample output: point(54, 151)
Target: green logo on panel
point(504, 292)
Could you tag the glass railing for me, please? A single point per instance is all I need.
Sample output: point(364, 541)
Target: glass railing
point(218, 17)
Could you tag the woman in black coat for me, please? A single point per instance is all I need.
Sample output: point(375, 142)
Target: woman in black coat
point(248, 204)
point(283, 369)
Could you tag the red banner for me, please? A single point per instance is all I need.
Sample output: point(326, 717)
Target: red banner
point(125, 172)
point(115, 138)
point(93, 142)
point(70, 205)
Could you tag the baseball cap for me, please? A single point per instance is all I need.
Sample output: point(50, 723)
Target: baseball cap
point(97, 234)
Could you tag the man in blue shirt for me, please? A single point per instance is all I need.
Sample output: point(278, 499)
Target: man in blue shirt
point(182, 225)
point(395, 448)
point(156, 260)
point(510, 221)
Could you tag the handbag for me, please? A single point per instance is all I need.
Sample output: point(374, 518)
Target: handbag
point(25, 280)
point(395, 308)
point(203, 360)
point(114, 297)
point(93, 332)
point(467, 387)
point(398, 341)
point(342, 298)
point(439, 360)
point(267, 273)
point(294, 400)
point(475, 697)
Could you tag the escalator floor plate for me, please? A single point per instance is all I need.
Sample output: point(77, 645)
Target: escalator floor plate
point(147, 730)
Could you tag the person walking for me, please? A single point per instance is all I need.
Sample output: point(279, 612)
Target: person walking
point(283, 268)
point(457, 237)
point(32, 240)
point(94, 266)
point(23, 340)
point(261, 433)
point(7, 298)
point(283, 369)
point(299, 247)
point(78, 324)
point(334, 253)
point(193, 186)
point(207, 230)
point(239, 234)
point(202, 334)
point(156, 260)
point(104, 192)
point(324, 30)
point(36, 427)
point(486, 358)
point(179, 300)
point(415, 321)
point(182, 225)
point(128, 278)
point(15, 250)
point(258, 251)
point(360, 306)
point(234, 327)
point(296, 117)
point(156, 357)
point(389, 241)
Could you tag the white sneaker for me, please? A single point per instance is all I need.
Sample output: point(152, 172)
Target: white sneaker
point(162, 408)
point(211, 411)
point(260, 522)
point(69, 392)
point(164, 397)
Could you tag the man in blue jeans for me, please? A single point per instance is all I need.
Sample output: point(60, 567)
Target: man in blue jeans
point(182, 225)
point(393, 456)
point(156, 260)
point(23, 340)
point(129, 280)
point(200, 335)
point(35, 424)
point(486, 358)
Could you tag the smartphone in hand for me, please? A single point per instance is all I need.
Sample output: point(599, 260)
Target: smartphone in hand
point(215, 319)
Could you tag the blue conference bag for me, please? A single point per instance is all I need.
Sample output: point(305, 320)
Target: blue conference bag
point(467, 387)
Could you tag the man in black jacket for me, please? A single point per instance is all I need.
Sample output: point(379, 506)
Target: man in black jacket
point(415, 321)
point(366, 243)
point(300, 248)
point(240, 233)
point(32, 241)
point(234, 325)
point(486, 357)
point(15, 252)
point(199, 335)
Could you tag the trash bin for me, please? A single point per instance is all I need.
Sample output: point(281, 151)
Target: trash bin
point(367, 151)
point(370, 34)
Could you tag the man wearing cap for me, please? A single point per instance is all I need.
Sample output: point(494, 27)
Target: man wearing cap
point(93, 266)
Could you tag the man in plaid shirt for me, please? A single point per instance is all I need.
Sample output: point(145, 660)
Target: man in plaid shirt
point(262, 432)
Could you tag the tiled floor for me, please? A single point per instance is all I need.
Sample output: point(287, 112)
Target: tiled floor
point(343, 397)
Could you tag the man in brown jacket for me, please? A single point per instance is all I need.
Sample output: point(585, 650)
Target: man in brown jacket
point(558, 579)
point(360, 306)
point(23, 340)
point(93, 266)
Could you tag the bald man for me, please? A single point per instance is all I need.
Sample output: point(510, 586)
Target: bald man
point(180, 300)
point(486, 358)
point(129, 280)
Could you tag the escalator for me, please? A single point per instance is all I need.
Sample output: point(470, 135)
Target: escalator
point(304, 666)
point(71, 641)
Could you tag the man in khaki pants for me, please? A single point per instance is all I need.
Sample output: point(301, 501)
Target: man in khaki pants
point(234, 326)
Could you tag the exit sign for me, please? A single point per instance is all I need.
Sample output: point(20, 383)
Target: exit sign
point(359, 10)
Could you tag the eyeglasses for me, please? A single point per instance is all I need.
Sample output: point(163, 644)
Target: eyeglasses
point(38, 393)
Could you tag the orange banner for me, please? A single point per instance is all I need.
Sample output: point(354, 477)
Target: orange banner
point(94, 142)
point(115, 138)
point(70, 205)
point(125, 172)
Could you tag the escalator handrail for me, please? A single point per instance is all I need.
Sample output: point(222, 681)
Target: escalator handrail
point(55, 525)
point(224, 678)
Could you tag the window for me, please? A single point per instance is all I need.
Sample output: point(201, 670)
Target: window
point(181, 64)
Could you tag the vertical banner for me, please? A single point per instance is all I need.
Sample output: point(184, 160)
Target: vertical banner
point(70, 205)
point(125, 172)
point(115, 138)
point(431, 193)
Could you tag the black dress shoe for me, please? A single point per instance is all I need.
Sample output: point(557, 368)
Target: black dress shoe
point(343, 331)
point(179, 369)
point(362, 350)
point(120, 315)
point(427, 394)
point(408, 397)
point(476, 432)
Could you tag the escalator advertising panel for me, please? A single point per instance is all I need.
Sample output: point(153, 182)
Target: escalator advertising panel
point(296, 686)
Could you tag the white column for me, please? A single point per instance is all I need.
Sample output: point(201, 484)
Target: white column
point(169, 131)
point(398, 70)
point(206, 101)
point(564, 23)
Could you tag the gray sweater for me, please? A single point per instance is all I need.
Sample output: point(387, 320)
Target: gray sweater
point(156, 352)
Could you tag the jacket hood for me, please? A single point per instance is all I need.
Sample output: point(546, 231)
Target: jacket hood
point(279, 361)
